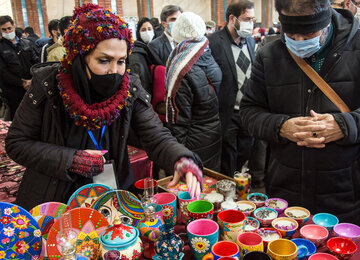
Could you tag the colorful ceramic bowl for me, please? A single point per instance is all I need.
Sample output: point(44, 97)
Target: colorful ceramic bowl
point(251, 224)
point(248, 242)
point(315, 233)
point(268, 235)
point(246, 207)
point(276, 203)
point(286, 226)
point(265, 216)
point(341, 247)
point(300, 214)
point(200, 209)
point(282, 249)
point(305, 247)
point(325, 220)
point(322, 256)
point(347, 230)
point(257, 198)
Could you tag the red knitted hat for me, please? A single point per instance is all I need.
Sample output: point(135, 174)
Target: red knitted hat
point(92, 24)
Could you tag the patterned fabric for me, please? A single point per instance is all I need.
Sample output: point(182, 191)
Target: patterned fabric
point(185, 165)
point(182, 58)
point(86, 164)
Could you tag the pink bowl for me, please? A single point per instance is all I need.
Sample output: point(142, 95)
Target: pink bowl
point(322, 256)
point(315, 233)
point(347, 230)
point(341, 247)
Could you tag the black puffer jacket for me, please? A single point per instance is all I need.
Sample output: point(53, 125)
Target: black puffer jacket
point(36, 140)
point(198, 124)
point(322, 180)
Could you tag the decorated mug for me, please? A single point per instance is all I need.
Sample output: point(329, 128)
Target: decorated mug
point(184, 200)
point(232, 223)
point(249, 241)
point(223, 249)
point(200, 209)
point(168, 203)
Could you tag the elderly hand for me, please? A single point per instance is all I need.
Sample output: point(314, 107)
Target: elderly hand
point(187, 169)
point(303, 125)
point(331, 133)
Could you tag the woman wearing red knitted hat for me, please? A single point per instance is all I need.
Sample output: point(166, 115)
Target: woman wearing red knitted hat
point(87, 104)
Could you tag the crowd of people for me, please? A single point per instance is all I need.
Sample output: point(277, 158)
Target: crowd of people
point(192, 95)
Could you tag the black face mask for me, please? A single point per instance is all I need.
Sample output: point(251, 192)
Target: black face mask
point(105, 85)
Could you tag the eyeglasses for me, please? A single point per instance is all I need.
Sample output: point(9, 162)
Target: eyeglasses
point(357, 4)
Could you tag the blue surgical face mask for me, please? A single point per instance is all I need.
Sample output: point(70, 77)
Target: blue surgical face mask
point(305, 48)
point(170, 26)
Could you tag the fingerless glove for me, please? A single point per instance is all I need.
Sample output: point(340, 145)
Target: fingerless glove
point(185, 165)
point(86, 164)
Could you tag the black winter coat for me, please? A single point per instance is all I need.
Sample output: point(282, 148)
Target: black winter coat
point(322, 180)
point(198, 124)
point(36, 140)
point(159, 50)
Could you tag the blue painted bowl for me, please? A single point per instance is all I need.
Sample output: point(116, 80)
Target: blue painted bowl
point(326, 220)
point(257, 198)
point(265, 216)
point(305, 247)
point(251, 224)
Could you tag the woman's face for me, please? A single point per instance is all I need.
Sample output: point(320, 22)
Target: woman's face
point(146, 27)
point(108, 57)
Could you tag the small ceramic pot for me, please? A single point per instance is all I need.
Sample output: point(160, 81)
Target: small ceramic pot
point(347, 230)
point(257, 198)
point(300, 214)
point(169, 246)
point(282, 249)
point(249, 242)
point(305, 247)
point(251, 224)
point(168, 203)
point(315, 233)
point(325, 220)
point(231, 224)
point(268, 235)
point(243, 184)
point(246, 207)
point(200, 209)
point(265, 216)
point(256, 255)
point(222, 249)
point(184, 200)
point(286, 226)
point(202, 235)
point(322, 256)
point(276, 203)
point(341, 247)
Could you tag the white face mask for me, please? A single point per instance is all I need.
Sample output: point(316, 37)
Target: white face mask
point(246, 29)
point(357, 15)
point(147, 36)
point(9, 36)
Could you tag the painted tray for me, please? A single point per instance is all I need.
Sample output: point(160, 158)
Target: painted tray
point(45, 214)
point(89, 225)
point(86, 195)
point(122, 203)
point(20, 233)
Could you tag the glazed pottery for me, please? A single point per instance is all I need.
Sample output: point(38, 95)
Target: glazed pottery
point(286, 226)
point(301, 215)
point(305, 247)
point(268, 235)
point(343, 248)
point(257, 198)
point(347, 230)
point(140, 186)
point(200, 209)
point(325, 220)
point(168, 203)
point(315, 233)
point(251, 224)
point(222, 249)
point(20, 233)
point(202, 235)
point(169, 246)
point(246, 207)
point(243, 184)
point(227, 258)
point(256, 255)
point(184, 200)
point(265, 216)
point(282, 249)
point(231, 223)
point(249, 242)
point(322, 256)
point(123, 238)
point(276, 203)
point(112, 255)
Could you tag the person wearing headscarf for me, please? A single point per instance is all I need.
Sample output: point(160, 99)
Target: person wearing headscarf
point(79, 113)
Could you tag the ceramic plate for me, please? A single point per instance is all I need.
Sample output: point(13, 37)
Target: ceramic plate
point(20, 233)
point(89, 225)
point(122, 203)
point(86, 195)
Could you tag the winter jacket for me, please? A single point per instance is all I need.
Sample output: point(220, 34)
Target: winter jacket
point(321, 180)
point(36, 140)
point(198, 124)
point(56, 51)
point(159, 50)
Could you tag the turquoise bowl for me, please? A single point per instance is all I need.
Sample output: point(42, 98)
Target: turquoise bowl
point(328, 221)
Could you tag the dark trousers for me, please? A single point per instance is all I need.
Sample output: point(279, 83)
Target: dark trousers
point(236, 146)
point(13, 95)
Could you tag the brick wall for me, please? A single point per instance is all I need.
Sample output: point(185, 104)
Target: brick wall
point(143, 11)
point(33, 17)
point(17, 11)
point(219, 11)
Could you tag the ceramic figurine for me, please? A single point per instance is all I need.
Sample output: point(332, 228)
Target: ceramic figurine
point(150, 230)
point(169, 246)
point(123, 238)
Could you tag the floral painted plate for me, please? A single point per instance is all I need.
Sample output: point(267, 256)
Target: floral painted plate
point(89, 225)
point(20, 233)
point(86, 195)
point(45, 214)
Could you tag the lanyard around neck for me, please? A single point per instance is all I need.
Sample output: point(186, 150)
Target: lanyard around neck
point(97, 145)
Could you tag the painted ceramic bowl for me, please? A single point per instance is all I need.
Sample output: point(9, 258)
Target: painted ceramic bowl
point(305, 247)
point(325, 220)
point(276, 203)
point(286, 226)
point(300, 214)
point(265, 216)
point(315, 233)
point(341, 247)
point(257, 198)
point(322, 256)
point(268, 235)
point(251, 224)
point(347, 230)
point(246, 207)
point(282, 249)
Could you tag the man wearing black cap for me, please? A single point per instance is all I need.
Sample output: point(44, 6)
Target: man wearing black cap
point(314, 148)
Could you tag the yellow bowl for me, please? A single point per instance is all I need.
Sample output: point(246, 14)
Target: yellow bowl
point(282, 249)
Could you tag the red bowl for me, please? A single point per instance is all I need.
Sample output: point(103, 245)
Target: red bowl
point(322, 256)
point(341, 247)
